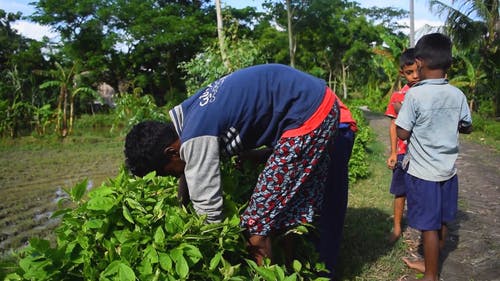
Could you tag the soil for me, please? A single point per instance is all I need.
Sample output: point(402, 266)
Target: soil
point(472, 251)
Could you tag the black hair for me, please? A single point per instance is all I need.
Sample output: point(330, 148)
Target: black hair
point(435, 50)
point(144, 146)
point(407, 57)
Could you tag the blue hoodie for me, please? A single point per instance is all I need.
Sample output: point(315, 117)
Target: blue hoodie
point(246, 109)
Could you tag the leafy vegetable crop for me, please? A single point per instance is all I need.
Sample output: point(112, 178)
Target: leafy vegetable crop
point(135, 229)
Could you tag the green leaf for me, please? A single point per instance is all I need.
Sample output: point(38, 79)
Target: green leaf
point(297, 266)
point(13, 277)
point(182, 267)
point(159, 237)
point(127, 215)
point(192, 252)
point(181, 264)
point(61, 212)
point(214, 262)
point(266, 273)
point(150, 176)
point(78, 190)
point(102, 191)
point(150, 254)
point(165, 261)
point(135, 205)
point(93, 223)
point(101, 204)
point(118, 270)
point(279, 271)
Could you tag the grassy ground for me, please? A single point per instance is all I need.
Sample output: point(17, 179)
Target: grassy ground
point(366, 254)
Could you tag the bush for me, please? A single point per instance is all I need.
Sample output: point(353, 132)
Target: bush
point(358, 164)
point(134, 229)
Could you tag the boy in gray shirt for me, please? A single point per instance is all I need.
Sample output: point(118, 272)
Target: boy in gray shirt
point(431, 118)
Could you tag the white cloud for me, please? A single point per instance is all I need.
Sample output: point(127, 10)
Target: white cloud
point(34, 30)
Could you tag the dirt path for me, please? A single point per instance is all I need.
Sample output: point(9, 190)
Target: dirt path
point(472, 252)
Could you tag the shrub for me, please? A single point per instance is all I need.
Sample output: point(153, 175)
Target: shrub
point(135, 229)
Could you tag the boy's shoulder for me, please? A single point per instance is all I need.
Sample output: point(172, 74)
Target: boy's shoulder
point(399, 95)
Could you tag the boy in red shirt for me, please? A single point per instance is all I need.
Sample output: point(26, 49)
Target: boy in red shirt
point(408, 70)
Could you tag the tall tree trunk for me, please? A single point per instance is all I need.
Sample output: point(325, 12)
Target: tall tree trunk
point(344, 80)
point(64, 129)
point(71, 113)
point(291, 43)
point(59, 110)
point(220, 33)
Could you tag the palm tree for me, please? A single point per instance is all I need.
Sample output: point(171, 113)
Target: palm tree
point(475, 26)
point(67, 82)
point(470, 80)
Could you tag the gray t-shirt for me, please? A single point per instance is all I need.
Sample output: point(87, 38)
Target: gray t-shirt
point(432, 111)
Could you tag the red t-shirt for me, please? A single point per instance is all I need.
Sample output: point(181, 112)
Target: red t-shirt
point(390, 112)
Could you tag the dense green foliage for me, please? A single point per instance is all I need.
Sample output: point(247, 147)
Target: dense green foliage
point(163, 48)
point(135, 229)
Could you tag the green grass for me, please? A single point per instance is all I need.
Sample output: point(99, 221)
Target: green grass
point(486, 131)
point(365, 253)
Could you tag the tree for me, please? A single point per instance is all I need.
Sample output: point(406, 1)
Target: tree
point(291, 42)
point(19, 56)
point(67, 81)
point(475, 26)
point(220, 34)
point(124, 40)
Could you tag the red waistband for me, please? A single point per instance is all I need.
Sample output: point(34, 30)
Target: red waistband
point(315, 120)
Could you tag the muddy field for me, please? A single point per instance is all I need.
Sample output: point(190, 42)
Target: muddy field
point(32, 182)
point(472, 252)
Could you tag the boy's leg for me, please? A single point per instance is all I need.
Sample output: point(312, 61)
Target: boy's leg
point(430, 205)
point(443, 233)
point(431, 254)
point(399, 206)
point(419, 265)
point(398, 189)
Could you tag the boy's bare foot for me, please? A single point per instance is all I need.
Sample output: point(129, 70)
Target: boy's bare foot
point(415, 263)
point(393, 237)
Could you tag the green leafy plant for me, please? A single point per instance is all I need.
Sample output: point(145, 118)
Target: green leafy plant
point(134, 108)
point(135, 229)
point(358, 164)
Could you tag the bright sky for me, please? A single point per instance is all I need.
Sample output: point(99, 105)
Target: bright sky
point(423, 15)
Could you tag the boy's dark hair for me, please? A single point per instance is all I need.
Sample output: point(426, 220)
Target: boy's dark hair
point(407, 58)
point(435, 50)
point(144, 146)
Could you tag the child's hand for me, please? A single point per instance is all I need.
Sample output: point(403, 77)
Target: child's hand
point(391, 161)
point(464, 128)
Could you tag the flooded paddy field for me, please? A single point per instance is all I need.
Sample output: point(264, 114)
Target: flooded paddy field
point(34, 174)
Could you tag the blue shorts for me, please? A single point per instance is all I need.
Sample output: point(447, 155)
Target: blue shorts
point(431, 204)
point(398, 184)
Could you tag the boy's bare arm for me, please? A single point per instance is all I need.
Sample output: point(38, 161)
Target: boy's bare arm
point(393, 158)
point(402, 133)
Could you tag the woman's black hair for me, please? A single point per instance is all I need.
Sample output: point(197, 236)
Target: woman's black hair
point(435, 50)
point(144, 146)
